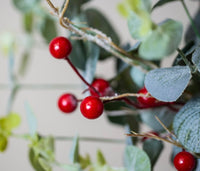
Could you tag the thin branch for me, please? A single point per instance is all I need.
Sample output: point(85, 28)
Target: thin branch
point(102, 40)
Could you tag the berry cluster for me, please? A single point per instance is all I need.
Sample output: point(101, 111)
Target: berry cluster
point(92, 106)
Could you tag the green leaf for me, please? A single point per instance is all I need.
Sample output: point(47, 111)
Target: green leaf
point(74, 153)
point(186, 125)
point(163, 41)
point(48, 28)
point(168, 84)
point(163, 113)
point(34, 160)
point(84, 161)
point(162, 2)
point(153, 148)
point(78, 55)
point(32, 122)
point(24, 62)
point(28, 21)
point(136, 159)
point(140, 26)
point(137, 76)
point(9, 122)
point(100, 158)
point(74, 8)
point(92, 59)
point(95, 19)
point(25, 5)
point(45, 165)
point(3, 142)
point(196, 58)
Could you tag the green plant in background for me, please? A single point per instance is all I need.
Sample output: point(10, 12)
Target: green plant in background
point(141, 92)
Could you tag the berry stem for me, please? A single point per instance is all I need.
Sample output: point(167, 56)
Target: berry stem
point(80, 76)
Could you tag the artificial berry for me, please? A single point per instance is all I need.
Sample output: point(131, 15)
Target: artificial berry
point(67, 103)
point(101, 86)
point(148, 101)
point(91, 107)
point(60, 47)
point(149, 133)
point(184, 161)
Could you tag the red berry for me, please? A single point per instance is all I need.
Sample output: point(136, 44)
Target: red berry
point(151, 132)
point(60, 47)
point(148, 101)
point(91, 107)
point(102, 86)
point(67, 103)
point(184, 161)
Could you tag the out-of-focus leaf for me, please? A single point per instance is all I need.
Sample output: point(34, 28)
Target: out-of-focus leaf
point(3, 142)
point(163, 41)
point(28, 22)
point(25, 5)
point(74, 153)
point(24, 63)
point(136, 159)
point(48, 28)
point(45, 165)
point(153, 148)
point(162, 2)
point(196, 58)
point(101, 161)
point(32, 122)
point(165, 115)
point(95, 19)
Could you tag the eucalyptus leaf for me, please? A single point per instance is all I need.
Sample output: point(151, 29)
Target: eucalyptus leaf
point(25, 5)
point(32, 122)
point(163, 41)
point(186, 125)
point(95, 19)
point(165, 115)
point(74, 152)
point(140, 26)
point(136, 159)
point(101, 161)
point(168, 84)
point(153, 148)
point(3, 142)
point(196, 58)
point(45, 165)
point(28, 21)
point(92, 59)
point(162, 2)
point(48, 28)
point(137, 76)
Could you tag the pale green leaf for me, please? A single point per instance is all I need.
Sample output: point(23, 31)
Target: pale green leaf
point(163, 41)
point(136, 159)
point(74, 152)
point(168, 84)
point(186, 125)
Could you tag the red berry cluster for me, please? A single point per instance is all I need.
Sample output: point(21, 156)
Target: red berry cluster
point(91, 107)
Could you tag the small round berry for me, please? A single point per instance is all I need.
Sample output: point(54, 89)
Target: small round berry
point(67, 103)
point(151, 133)
point(91, 107)
point(148, 101)
point(102, 86)
point(60, 47)
point(184, 161)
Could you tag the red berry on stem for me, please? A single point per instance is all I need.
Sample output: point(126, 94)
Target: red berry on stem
point(151, 132)
point(148, 101)
point(60, 47)
point(91, 107)
point(102, 86)
point(184, 161)
point(67, 103)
